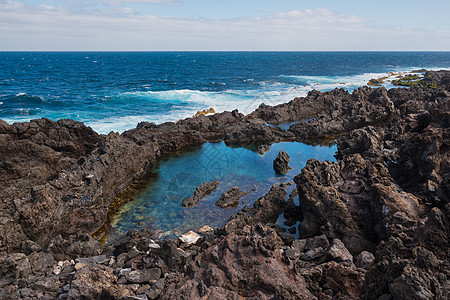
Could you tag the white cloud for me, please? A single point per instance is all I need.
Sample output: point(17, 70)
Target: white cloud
point(121, 28)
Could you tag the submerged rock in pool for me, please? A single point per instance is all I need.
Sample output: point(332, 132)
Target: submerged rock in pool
point(230, 198)
point(262, 149)
point(201, 191)
point(281, 163)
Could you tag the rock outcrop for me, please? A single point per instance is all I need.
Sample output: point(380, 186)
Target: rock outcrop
point(281, 163)
point(231, 197)
point(374, 224)
point(201, 191)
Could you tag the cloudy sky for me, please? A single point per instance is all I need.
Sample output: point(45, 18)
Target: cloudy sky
point(224, 25)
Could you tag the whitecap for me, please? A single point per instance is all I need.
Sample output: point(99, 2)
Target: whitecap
point(218, 83)
point(185, 103)
point(348, 82)
point(121, 124)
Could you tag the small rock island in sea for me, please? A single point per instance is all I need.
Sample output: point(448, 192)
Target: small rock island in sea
point(372, 225)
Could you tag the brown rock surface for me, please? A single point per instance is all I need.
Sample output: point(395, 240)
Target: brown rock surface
point(387, 194)
point(281, 163)
point(230, 198)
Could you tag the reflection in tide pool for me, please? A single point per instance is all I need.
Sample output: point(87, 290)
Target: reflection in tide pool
point(159, 205)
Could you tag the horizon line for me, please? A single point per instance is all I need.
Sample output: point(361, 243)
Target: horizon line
point(224, 50)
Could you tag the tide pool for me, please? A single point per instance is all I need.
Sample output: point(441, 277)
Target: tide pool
point(158, 205)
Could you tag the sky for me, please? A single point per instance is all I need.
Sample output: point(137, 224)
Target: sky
point(224, 25)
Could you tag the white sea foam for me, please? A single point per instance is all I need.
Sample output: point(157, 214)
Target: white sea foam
point(325, 83)
point(16, 119)
point(185, 103)
point(331, 82)
point(121, 124)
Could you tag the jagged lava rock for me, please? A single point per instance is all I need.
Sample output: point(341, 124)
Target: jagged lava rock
point(281, 163)
point(230, 197)
point(201, 191)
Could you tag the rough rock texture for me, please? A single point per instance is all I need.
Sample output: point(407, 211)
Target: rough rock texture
point(281, 163)
point(384, 204)
point(262, 149)
point(231, 197)
point(201, 191)
point(249, 265)
point(335, 113)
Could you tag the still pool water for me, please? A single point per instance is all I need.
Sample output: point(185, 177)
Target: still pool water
point(158, 206)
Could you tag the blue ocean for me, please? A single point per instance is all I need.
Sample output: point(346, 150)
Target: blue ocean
point(113, 91)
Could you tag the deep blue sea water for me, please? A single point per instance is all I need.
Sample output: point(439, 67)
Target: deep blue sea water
point(116, 90)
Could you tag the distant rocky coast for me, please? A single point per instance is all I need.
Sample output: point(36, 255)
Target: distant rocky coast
point(373, 225)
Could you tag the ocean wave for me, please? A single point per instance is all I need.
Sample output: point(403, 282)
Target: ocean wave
point(23, 98)
point(169, 106)
point(218, 83)
point(326, 82)
point(25, 111)
point(123, 123)
point(124, 110)
point(244, 100)
point(182, 103)
point(349, 82)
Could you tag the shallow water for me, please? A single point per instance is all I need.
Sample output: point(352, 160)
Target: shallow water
point(286, 126)
point(159, 205)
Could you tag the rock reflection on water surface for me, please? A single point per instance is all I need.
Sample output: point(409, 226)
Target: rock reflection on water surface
point(159, 205)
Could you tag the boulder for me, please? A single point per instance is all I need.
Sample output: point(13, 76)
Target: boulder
point(201, 191)
point(230, 198)
point(262, 149)
point(338, 252)
point(281, 163)
point(143, 276)
point(189, 238)
point(364, 259)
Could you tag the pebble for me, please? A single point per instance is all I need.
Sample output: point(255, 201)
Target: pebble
point(205, 229)
point(78, 266)
point(189, 238)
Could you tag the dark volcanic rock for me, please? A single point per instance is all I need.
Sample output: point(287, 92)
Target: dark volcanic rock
point(254, 131)
point(364, 259)
point(201, 191)
point(262, 149)
point(335, 113)
point(248, 265)
point(77, 245)
point(281, 163)
point(230, 198)
point(385, 199)
point(342, 194)
point(96, 281)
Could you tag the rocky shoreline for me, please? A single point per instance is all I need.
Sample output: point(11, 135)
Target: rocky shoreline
point(373, 225)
